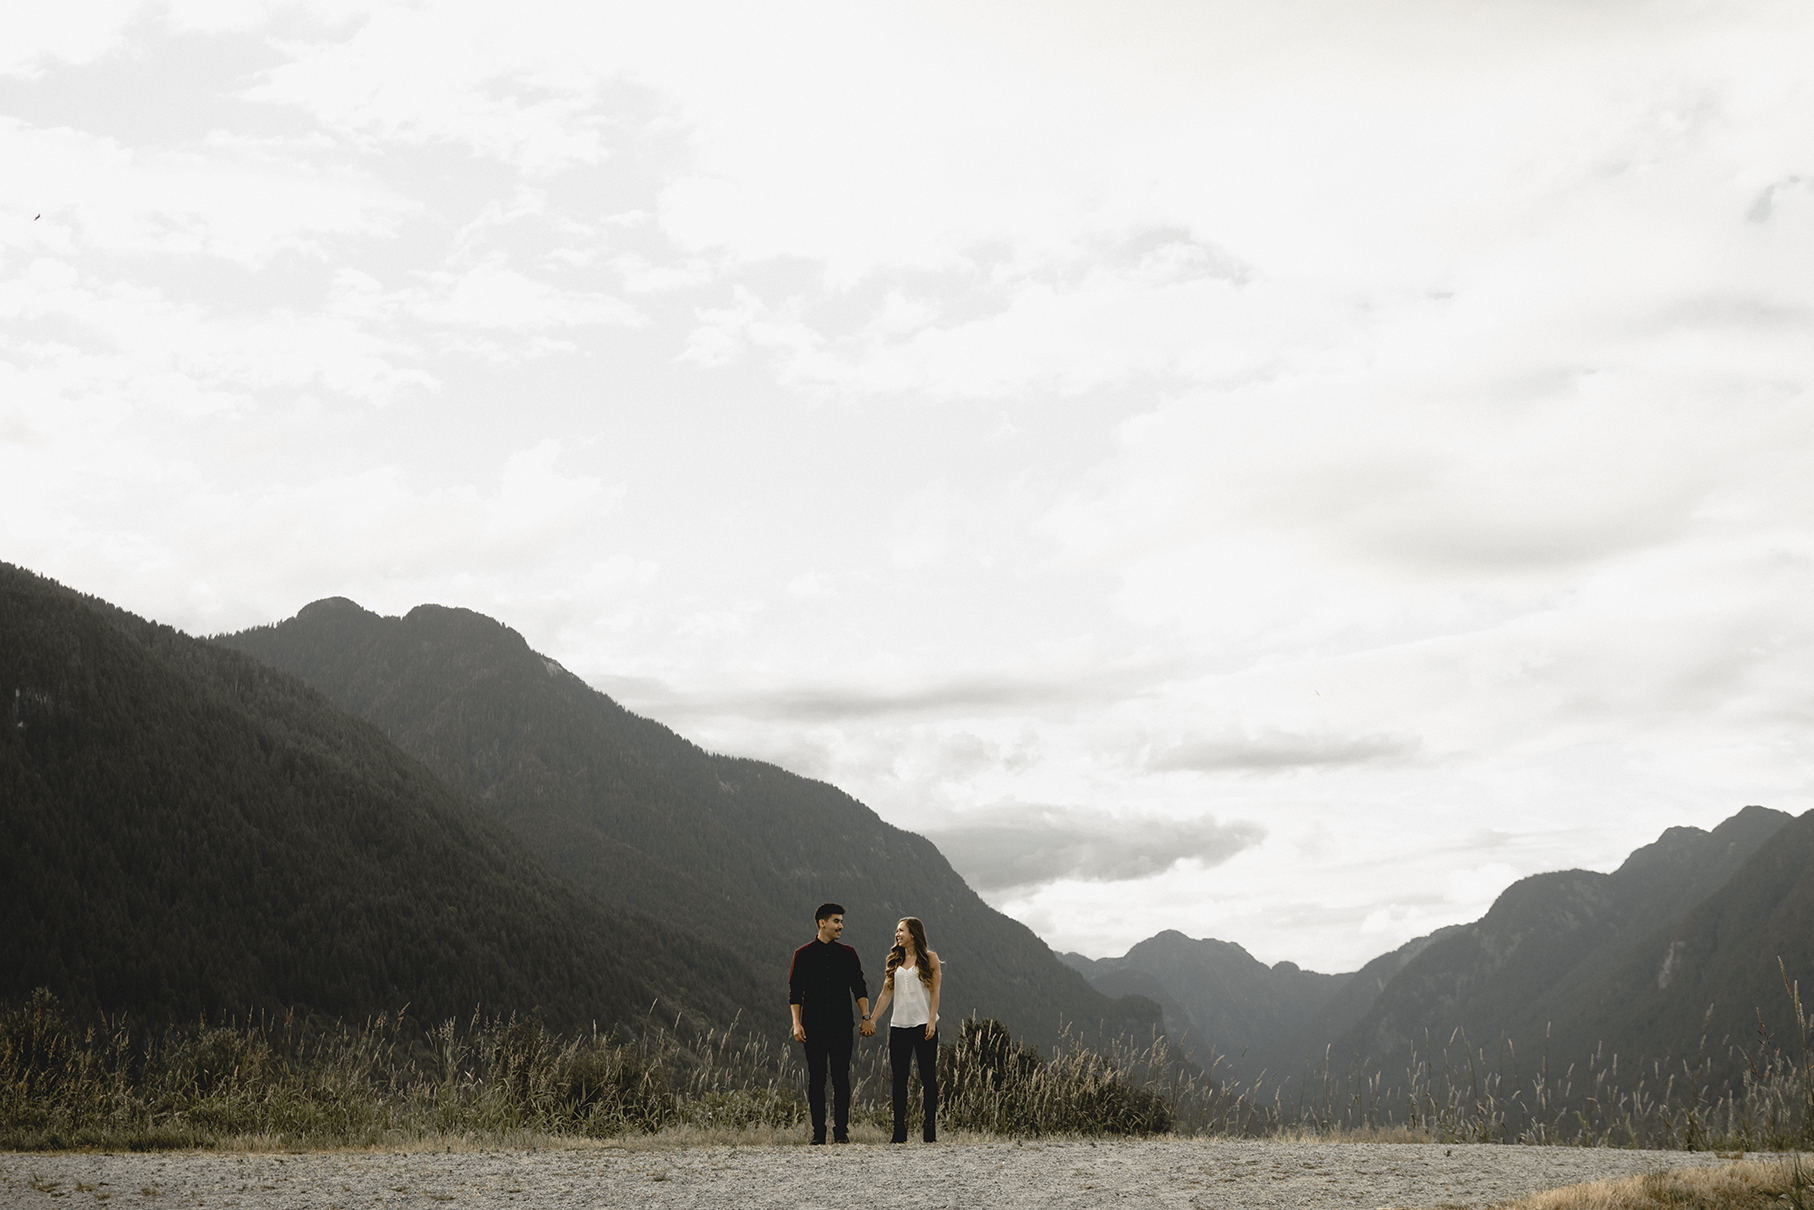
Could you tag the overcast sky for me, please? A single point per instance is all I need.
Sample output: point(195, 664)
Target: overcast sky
point(1277, 470)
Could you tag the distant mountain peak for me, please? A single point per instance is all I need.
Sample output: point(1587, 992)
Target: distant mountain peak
point(328, 607)
point(1684, 845)
point(454, 613)
point(1549, 951)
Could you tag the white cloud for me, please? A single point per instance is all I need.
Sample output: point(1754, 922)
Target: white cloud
point(1014, 846)
point(810, 584)
point(1360, 423)
point(470, 74)
point(495, 296)
point(41, 37)
point(1277, 751)
point(119, 345)
point(243, 200)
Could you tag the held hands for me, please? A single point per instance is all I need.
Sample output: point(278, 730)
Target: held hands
point(867, 1027)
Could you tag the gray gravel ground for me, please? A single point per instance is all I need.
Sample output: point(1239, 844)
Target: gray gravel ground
point(1168, 1173)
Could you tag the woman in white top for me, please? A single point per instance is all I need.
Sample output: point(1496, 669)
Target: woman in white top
point(914, 976)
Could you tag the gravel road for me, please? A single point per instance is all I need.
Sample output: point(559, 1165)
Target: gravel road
point(1168, 1173)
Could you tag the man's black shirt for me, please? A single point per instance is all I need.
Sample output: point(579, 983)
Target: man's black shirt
point(824, 977)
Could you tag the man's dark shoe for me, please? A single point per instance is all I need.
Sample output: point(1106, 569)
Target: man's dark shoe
point(818, 1140)
point(840, 1138)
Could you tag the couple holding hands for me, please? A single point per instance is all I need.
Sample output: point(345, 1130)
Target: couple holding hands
point(824, 977)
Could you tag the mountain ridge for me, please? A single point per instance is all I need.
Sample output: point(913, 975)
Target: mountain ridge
point(192, 832)
point(1548, 940)
point(640, 816)
point(1714, 969)
point(1567, 958)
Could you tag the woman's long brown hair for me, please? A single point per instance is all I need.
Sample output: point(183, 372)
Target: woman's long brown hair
point(917, 931)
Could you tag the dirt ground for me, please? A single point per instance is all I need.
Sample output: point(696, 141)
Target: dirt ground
point(968, 1174)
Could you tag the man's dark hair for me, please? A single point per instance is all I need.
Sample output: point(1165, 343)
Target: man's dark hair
point(827, 911)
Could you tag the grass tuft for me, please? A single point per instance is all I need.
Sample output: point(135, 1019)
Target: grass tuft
point(1752, 1184)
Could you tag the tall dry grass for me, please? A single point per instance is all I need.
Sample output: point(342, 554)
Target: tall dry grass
point(1757, 1184)
point(390, 1083)
point(394, 1083)
point(1456, 1092)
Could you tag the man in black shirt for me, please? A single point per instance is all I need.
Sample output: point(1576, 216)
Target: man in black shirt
point(823, 978)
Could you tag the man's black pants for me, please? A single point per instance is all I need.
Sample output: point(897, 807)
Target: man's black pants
point(829, 1049)
point(905, 1047)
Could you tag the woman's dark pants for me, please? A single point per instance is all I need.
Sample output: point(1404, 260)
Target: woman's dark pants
point(905, 1046)
point(829, 1049)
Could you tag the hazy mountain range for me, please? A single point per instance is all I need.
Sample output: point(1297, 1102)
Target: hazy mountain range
point(192, 829)
point(729, 848)
point(1688, 930)
point(345, 813)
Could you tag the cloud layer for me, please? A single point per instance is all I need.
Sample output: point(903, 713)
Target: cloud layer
point(1278, 752)
point(1340, 461)
point(1006, 847)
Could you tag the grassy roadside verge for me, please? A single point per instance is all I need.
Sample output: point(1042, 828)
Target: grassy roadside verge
point(1785, 1183)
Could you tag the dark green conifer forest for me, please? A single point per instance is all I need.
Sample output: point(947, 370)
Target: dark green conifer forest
point(188, 831)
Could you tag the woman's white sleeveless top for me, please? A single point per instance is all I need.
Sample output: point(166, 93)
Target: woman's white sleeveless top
point(912, 999)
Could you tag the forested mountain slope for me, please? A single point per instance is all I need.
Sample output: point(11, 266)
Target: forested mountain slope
point(190, 831)
point(1307, 1049)
point(1574, 959)
point(1714, 971)
point(631, 811)
point(1548, 944)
